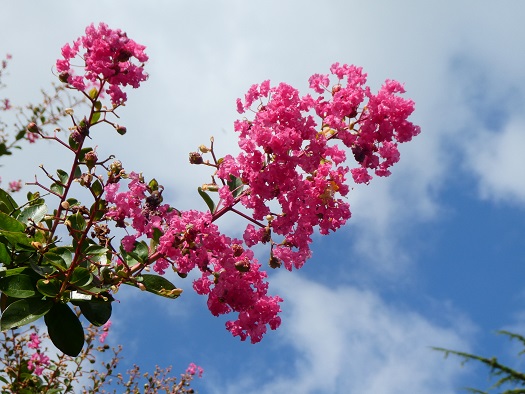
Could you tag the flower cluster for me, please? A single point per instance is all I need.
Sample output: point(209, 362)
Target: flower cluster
point(290, 158)
point(230, 276)
point(38, 361)
point(194, 369)
point(107, 56)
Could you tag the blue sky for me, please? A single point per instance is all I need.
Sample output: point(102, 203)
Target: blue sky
point(433, 255)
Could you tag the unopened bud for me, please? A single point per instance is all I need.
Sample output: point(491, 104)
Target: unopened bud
point(204, 149)
point(210, 187)
point(242, 265)
point(274, 262)
point(69, 111)
point(64, 204)
point(36, 245)
point(196, 158)
point(63, 77)
point(120, 129)
point(335, 89)
point(91, 158)
point(32, 127)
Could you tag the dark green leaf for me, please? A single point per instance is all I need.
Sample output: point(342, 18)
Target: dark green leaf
point(65, 252)
point(78, 172)
point(23, 312)
point(64, 329)
point(77, 222)
point(160, 286)
point(100, 208)
point(49, 287)
point(18, 286)
point(235, 185)
point(63, 176)
point(81, 277)
point(97, 188)
point(72, 143)
point(6, 198)
point(33, 212)
point(5, 257)
point(16, 238)
point(96, 311)
point(9, 223)
point(57, 188)
point(95, 118)
point(207, 199)
point(141, 250)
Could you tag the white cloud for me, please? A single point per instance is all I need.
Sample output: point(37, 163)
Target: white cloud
point(347, 340)
point(498, 159)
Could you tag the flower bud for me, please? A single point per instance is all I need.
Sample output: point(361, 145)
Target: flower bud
point(69, 111)
point(242, 265)
point(32, 127)
point(274, 262)
point(64, 204)
point(91, 159)
point(120, 129)
point(196, 158)
point(63, 77)
point(204, 149)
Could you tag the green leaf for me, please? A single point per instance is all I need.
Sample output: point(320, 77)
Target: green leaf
point(57, 188)
point(55, 260)
point(81, 277)
point(6, 198)
point(96, 311)
point(72, 143)
point(18, 286)
point(5, 257)
point(207, 199)
point(9, 223)
point(63, 176)
point(16, 238)
point(100, 208)
point(141, 250)
point(95, 118)
point(34, 212)
point(235, 185)
point(23, 312)
point(49, 287)
point(64, 329)
point(159, 285)
point(77, 222)
point(97, 188)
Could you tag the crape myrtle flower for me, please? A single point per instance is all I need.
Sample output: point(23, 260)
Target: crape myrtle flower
point(111, 61)
point(291, 157)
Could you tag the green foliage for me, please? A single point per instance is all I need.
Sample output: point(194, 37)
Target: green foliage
point(506, 376)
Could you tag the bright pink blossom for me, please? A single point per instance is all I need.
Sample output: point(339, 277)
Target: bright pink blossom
point(111, 61)
point(105, 331)
point(37, 363)
point(194, 370)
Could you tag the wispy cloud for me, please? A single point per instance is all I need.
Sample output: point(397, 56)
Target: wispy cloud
point(347, 340)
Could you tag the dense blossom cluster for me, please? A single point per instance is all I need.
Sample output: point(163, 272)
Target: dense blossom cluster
point(230, 276)
point(291, 176)
point(290, 158)
point(107, 55)
point(38, 361)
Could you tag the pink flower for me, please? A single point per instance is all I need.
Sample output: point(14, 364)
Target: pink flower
point(194, 369)
point(34, 342)
point(15, 186)
point(105, 330)
point(37, 363)
point(108, 59)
